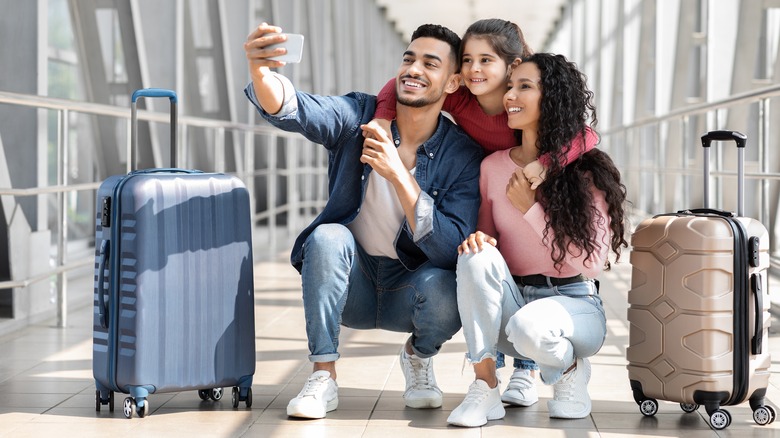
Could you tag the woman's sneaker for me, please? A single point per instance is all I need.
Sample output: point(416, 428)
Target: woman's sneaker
point(570, 394)
point(482, 403)
point(319, 396)
point(521, 390)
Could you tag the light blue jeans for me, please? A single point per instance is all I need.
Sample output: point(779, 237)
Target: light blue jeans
point(342, 285)
point(550, 325)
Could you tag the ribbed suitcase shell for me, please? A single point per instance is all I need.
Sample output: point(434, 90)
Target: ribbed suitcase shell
point(684, 336)
point(178, 283)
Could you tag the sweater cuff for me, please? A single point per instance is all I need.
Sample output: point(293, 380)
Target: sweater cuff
point(535, 217)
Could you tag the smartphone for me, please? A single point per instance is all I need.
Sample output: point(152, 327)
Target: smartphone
point(294, 46)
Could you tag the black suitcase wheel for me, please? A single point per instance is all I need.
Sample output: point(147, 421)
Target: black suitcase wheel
point(689, 407)
point(720, 419)
point(648, 407)
point(204, 394)
point(762, 416)
point(216, 393)
point(129, 407)
point(144, 410)
point(771, 411)
point(99, 401)
point(235, 398)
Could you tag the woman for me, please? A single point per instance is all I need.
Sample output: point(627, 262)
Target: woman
point(525, 278)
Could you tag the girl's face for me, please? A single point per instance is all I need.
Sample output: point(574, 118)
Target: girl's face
point(523, 97)
point(482, 69)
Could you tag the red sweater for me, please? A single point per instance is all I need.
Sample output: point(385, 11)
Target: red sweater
point(491, 132)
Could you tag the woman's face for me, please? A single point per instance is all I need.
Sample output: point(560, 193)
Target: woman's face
point(483, 71)
point(523, 97)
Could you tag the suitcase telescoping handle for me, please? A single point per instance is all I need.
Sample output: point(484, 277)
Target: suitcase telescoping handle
point(740, 139)
point(151, 92)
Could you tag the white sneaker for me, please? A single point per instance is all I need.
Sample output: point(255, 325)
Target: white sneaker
point(482, 403)
point(521, 390)
point(319, 395)
point(421, 390)
point(570, 394)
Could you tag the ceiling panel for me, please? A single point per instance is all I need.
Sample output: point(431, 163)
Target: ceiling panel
point(536, 18)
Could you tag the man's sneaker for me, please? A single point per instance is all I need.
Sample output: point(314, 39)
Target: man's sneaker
point(421, 390)
point(318, 396)
point(570, 394)
point(521, 390)
point(481, 404)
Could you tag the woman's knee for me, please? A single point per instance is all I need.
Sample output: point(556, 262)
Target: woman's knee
point(476, 270)
point(526, 335)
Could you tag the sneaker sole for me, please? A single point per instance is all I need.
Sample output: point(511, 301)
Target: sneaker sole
point(331, 406)
point(423, 404)
point(497, 413)
point(570, 416)
point(518, 402)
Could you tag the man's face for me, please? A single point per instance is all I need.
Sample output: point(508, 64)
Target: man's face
point(424, 72)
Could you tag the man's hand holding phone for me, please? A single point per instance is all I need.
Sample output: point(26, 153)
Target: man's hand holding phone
point(268, 47)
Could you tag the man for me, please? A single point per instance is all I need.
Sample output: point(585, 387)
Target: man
point(383, 251)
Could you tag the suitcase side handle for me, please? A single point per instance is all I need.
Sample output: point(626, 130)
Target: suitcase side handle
point(105, 247)
point(758, 297)
point(741, 140)
point(151, 92)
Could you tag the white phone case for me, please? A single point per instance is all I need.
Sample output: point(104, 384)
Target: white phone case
point(294, 46)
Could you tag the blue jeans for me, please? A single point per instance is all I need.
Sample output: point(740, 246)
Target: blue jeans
point(523, 364)
point(550, 325)
point(342, 285)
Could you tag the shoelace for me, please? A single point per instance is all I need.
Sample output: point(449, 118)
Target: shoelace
point(313, 385)
point(476, 394)
point(564, 389)
point(422, 375)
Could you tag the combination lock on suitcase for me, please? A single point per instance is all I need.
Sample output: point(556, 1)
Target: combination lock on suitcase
point(174, 291)
point(699, 307)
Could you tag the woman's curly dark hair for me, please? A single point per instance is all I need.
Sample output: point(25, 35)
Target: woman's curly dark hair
point(565, 108)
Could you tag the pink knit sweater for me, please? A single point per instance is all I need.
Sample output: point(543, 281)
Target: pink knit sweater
point(520, 235)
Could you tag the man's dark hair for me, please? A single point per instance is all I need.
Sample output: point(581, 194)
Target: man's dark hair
point(443, 34)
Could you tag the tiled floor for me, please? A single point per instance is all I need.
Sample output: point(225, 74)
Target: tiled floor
point(47, 387)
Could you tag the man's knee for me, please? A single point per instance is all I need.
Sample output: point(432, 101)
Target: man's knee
point(329, 239)
point(438, 288)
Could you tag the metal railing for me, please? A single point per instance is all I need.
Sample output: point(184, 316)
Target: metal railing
point(293, 178)
point(661, 160)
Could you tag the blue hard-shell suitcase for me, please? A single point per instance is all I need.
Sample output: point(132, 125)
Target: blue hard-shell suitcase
point(174, 291)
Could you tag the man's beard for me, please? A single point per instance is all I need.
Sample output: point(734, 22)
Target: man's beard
point(419, 102)
point(416, 103)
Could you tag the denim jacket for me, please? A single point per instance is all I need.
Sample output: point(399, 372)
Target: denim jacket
point(447, 172)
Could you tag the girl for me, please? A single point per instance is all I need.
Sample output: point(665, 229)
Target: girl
point(487, 49)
